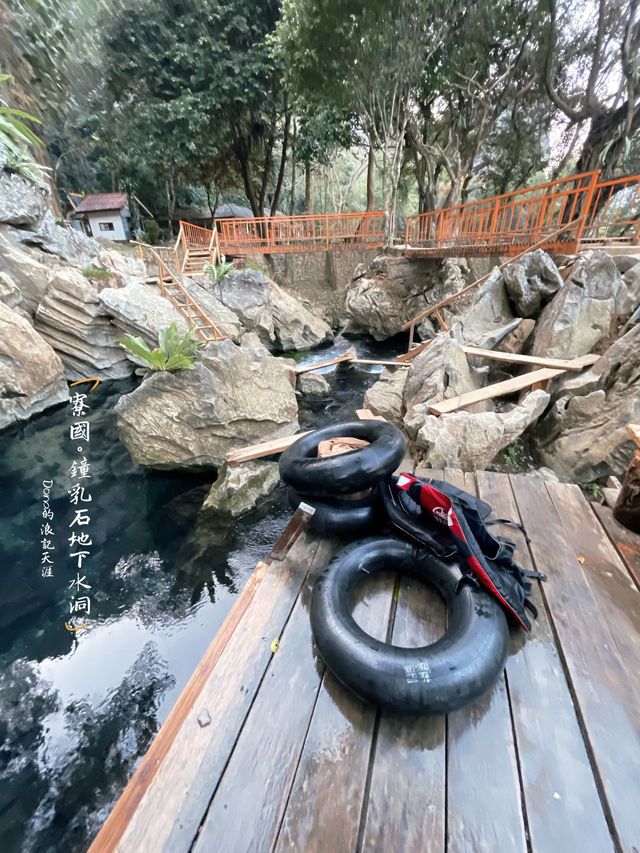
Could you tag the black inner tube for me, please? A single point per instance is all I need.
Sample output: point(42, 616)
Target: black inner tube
point(439, 677)
point(349, 472)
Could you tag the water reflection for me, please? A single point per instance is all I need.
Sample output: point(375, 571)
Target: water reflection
point(77, 712)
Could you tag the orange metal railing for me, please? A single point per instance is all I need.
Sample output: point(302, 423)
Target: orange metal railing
point(614, 214)
point(312, 232)
point(506, 223)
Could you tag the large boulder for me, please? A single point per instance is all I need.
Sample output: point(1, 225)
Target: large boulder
point(21, 203)
point(488, 319)
point(236, 395)
point(248, 294)
point(141, 310)
point(470, 441)
point(9, 291)
point(531, 281)
point(394, 290)
point(439, 372)
point(632, 282)
point(312, 385)
point(584, 436)
point(237, 490)
point(294, 326)
point(580, 313)
point(386, 396)
point(71, 318)
point(31, 374)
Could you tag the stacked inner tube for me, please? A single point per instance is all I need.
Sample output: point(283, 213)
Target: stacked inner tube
point(327, 483)
point(437, 678)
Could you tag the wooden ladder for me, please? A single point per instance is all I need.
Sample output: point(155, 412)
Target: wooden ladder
point(170, 287)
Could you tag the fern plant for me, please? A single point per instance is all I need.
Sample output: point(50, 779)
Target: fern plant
point(16, 137)
point(172, 353)
point(218, 271)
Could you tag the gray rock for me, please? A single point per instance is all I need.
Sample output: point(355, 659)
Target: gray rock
point(248, 294)
point(9, 291)
point(580, 313)
point(439, 372)
point(531, 281)
point(313, 385)
point(470, 441)
point(394, 291)
point(21, 203)
point(632, 282)
point(236, 395)
point(584, 436)
point(226, 321)
point(516, 341)
point(386, 396)
point(625, 262)
point(140, 310)
point(239, 489)
point(488, 318)
point(294, 326)
point(31, 374)
point(71, 318)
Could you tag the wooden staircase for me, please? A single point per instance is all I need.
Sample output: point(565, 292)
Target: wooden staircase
point(171, 287)
point(194, 247)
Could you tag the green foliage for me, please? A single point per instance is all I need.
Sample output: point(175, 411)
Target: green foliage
point(152, 233)
point(173, 352)
point(94, 272)
point(594, 490)
point(16, 137)
point(218, 271)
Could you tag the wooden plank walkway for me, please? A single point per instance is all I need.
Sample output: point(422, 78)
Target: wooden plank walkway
point(272, 754)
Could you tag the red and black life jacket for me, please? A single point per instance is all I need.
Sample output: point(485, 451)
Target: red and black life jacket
point(451, 521)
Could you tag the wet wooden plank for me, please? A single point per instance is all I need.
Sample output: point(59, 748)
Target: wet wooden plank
point(626, 542)
point(297, 523)
point(562, 804)
point(500, 389)
point(606, 702)
point(484, 811)
point(265, 448)
point(617, 596)
point(518, 358)
point(168, 816)
point(406, 806)
point(324, 808)
point(249, 801)
point(349, 355)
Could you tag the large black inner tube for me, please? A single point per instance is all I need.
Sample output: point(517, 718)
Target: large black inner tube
point(437, 678)
point(343, 517)
point(344, 473)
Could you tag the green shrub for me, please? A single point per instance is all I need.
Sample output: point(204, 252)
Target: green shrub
point(218, 271)
point(15, 140)
point(152, 233)
point(173, 352)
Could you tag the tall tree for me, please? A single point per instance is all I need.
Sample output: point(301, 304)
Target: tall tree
point(367, 58)
point(591, 69)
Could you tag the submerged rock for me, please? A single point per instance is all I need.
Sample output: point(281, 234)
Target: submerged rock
point(470, 441)
point(31, 374)
point(313, 385)
point(236, 395)
point(239, 489)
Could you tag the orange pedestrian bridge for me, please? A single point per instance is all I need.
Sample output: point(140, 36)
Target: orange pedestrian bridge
point(560, 216)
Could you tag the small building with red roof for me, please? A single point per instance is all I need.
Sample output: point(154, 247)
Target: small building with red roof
point(104, 215)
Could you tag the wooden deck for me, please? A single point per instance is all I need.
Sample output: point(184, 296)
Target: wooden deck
point(265, 751)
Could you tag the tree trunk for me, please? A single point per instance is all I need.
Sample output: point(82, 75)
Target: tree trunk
point(605, 127)
point(243, 153)
point(371, 189)
point(308, 195)
point(171, 199)
point(292, 204)
point(283, 163)
point(627, 508)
